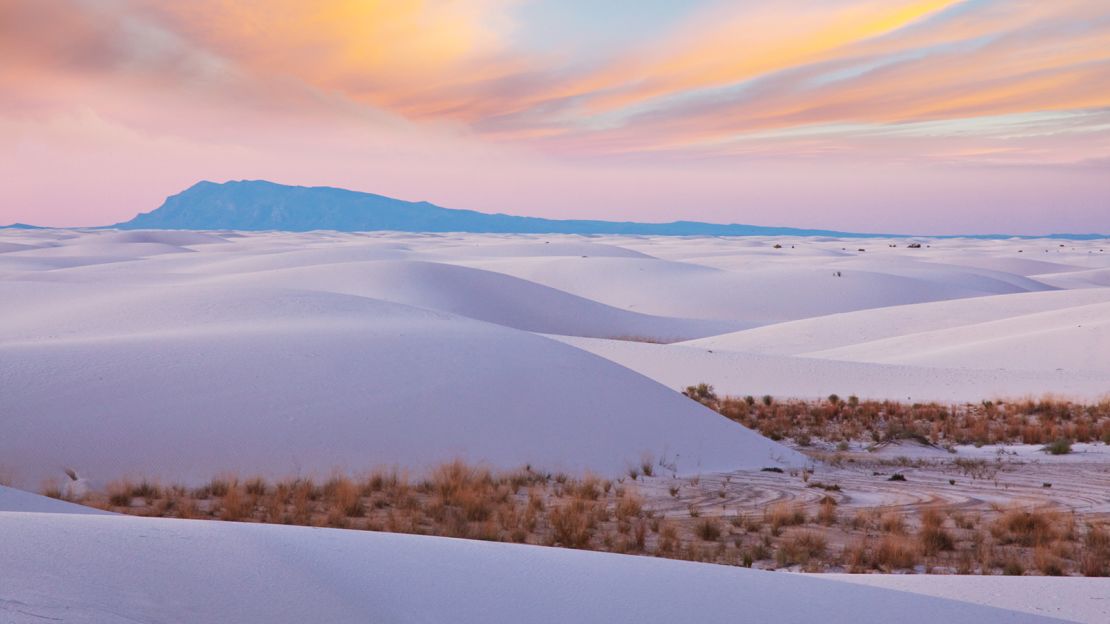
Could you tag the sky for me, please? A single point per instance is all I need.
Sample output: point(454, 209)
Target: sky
point(901, 116)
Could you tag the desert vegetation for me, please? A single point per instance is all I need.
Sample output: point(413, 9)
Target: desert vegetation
point(1050, 422)
point(649, 515)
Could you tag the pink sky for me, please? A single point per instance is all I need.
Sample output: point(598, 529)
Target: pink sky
point(933, 116)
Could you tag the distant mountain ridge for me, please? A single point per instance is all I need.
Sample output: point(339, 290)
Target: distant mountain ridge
point(262, 205)
point(21, 226)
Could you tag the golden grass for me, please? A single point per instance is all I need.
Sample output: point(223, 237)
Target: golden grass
point(895, 553)
point(1049, 421)
point(524, 506)
point(933, 536)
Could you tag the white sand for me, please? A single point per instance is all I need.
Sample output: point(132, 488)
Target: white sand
point(184, 354)
point(86, 568)
point(1074, 599)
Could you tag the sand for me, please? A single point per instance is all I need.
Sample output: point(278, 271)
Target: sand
point(182, 355)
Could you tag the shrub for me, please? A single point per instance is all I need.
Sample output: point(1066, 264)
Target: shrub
point(784, 515)
point(572, 524)
point(934, 538)
point(628, 507)
point(800, 548)
point(826, 513)
point(895, 553)
point(1025, 528)
point(146, 490)
point(892, 522)
point(702, 393)
point(119, 494)
point(1048, 563)
point(345, 497)
point(255, 486)
point(1095, 559)
point(234, 508)
point(708, 530)
point(1059, 446)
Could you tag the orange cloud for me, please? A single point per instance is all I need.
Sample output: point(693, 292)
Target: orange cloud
point(420, 58)
point(726, 73)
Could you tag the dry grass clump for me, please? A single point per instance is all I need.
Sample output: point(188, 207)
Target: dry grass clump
point(782, 515)
point(892, 522)
point(708, 529)
point(826, 513)
point(1026, 528)
point(895, 553)
point(573, 524)
point(801, 548)
point(1095, 558)
point(1053, 422)
point(933, 536)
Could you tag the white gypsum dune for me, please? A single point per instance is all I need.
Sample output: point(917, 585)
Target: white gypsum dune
point(87, 568)
point(182, 354)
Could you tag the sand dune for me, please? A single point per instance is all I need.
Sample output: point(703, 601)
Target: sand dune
point(486, 296)
point(737, 373)
point(180, 354)
point(1072, 338)
point(755, 295)
point(852, 328)
point(1091, 278)
point(12, 499)
point(183, 382)
point(207, 571)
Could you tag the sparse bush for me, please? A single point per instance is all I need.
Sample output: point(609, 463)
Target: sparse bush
point(234, 507)
point(256, 486)
point(1026, 528)
point(934, 538)
point(119, 494)
point(572, 524)
point(628, 507)
point(784, 515)
point(1095, 558)
point(1048, 563)
point(892, 522)
point(895, 553)
point(800, 548)
point(702, 393)
point(1059, 446)
point(708, 530)
point(826, 513)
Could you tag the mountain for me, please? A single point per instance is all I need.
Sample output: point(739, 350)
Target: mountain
point(262, 205)
point(21, 226)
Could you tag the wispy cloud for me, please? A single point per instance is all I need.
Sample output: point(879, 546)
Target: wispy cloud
point(950, 83)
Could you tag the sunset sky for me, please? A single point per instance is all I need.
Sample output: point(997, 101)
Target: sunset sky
point(912, 116)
